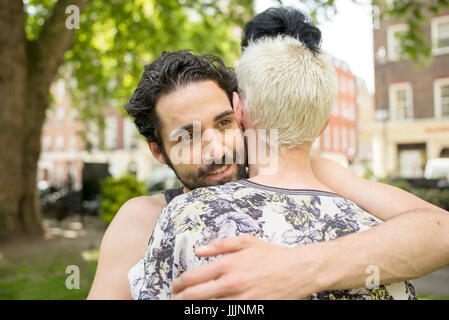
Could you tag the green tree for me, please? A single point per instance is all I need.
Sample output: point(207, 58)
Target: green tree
point(104, 56)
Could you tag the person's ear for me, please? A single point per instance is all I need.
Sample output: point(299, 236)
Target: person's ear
point(238, 112)
point(324, 127)
point(156, 151)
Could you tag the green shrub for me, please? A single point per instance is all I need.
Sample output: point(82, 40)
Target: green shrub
point(116, 191)
point(438, 197)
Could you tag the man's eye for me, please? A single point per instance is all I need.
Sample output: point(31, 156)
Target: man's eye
point(185, 138)
point(225, 122)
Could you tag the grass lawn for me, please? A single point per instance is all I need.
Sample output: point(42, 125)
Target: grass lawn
point(31, 270)
point(38, 278)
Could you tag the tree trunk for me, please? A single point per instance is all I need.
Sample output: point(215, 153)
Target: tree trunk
point(27, 69)
point(12, 93)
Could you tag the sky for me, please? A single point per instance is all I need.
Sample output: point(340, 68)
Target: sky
point(348, 36)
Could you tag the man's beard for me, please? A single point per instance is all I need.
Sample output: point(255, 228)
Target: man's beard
point(203, 172)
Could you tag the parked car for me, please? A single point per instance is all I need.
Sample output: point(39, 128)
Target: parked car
point(438, 169)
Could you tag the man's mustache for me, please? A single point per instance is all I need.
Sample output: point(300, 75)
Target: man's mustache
point(218, 163)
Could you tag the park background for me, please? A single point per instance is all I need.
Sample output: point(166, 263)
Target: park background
point(72, 157)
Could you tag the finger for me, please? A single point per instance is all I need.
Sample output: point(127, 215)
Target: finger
point(198, 275)
point(224, 245)
point(208, 290)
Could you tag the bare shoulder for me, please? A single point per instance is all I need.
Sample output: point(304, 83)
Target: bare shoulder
point(136, 217)
point(124, 244)
point(140, 209)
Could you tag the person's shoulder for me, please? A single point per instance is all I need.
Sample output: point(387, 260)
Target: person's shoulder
point(124, 243)
point(143, 204)
point(140, 212)
point(203, 197)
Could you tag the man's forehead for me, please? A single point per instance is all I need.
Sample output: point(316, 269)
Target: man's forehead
point(202, 101)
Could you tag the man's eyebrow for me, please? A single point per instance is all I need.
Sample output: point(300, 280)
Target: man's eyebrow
point(223, 114)
point(175, 133)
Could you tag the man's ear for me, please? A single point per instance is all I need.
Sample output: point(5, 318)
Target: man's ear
point(238, 112)
point(324, 127)
point(154, 148)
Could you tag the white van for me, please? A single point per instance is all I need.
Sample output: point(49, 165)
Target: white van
point(437, 169)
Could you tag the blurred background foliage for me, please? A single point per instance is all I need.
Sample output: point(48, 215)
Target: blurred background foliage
point(438, 197)
point(116, 191)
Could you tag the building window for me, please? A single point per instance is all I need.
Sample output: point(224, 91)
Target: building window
point(344, 138)
point(401, 101)
point(335, 108)
point(129, 134)
point(60, 115)
point(441, 98)
point(111, 132)
point(351, 87)
point(440, 35)
point(353, 140)
point(327, 138)
point(343, 88)
point(73, 143)
point(46, 143)
point(393, 40)
point(59, 144)
point(336, 137)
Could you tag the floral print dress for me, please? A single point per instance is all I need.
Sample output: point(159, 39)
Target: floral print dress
point(287, 217)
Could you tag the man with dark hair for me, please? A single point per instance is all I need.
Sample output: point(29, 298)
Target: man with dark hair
point(171, 72)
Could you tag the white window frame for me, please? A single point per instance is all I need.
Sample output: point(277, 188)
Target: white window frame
point(336, 138)
point(391, 39)
point(434, 33)
point(392, 102)
point(344, 138)
point(437, 96)
point(327, 139)
point(60, 143)
point(111, 132)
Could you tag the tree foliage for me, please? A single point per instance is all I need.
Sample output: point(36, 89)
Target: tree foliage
point(117, 37)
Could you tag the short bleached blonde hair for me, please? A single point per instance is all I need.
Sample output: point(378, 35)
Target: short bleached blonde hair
point(287, 87)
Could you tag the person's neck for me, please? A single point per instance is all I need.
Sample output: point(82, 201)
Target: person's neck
point(291, 170)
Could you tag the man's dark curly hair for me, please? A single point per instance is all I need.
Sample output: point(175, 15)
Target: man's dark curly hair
point(282, 21)
point(169, 72)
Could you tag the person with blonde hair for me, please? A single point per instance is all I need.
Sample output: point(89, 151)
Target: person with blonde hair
point(286, 87)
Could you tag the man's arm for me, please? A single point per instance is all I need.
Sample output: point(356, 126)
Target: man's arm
point(381, 200)
point(123, 245)
point(412, 242)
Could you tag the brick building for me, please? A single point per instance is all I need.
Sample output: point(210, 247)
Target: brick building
point(412, 105)
point(64, 151)
point(339, 140)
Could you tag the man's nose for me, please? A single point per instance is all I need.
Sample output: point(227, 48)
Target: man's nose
point(213, 148)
